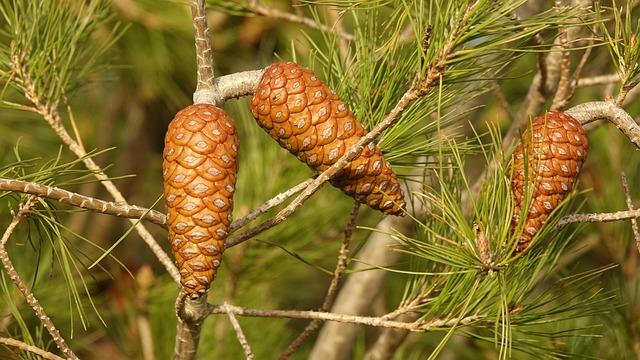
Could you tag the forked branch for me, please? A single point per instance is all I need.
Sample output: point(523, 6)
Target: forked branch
point(23, 212)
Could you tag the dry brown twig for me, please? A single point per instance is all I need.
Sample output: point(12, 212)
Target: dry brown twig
point(634, 222)
point(257, 8)
point(330, 296)
point(565, 65)
point(132, 211)
point(598, 80)
point(30, 348)
point(242, 339)
point(419, 326)
point(23, 212)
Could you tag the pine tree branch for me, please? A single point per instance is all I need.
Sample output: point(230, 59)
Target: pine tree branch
point(131, 211)
point(605, 110)
point(341, 265)
point(258, 9)
point(237, 84)
point(23, 212)
point(242, 339)
point(30, 348)
point(205, 89)
point(51, 115)
point(599, 217)
point(266, 206)
point(191, 315)
point(565, 66)
point(599, 80)
point(418, 326)
point(634, 222)
point(82, 201)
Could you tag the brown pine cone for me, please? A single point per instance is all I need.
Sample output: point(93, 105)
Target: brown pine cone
point(307, 118)
point(199, 170)
point(554, 148)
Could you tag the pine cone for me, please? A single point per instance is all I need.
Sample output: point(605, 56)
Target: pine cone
point(554, 148)
point(307, 118)
point(199, 170)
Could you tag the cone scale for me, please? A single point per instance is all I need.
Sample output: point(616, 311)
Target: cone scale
point(199, 171)
point(308, 119)
point(547, 162)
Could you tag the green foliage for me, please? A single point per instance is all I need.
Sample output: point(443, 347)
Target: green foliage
point(623, 42)
point(51, 43)
point(463, 268)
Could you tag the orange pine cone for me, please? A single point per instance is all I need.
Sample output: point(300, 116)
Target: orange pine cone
point(307, 118)
point(199, 170)
point(554, 148)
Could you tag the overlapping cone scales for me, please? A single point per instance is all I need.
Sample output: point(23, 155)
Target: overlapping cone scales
point(199, 170)
point(307, 118)
point(553, 149)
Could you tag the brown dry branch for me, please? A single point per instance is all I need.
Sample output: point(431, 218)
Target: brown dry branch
point(267, 205)
point(598, 80)
point(565, 65)
point(82, 201)
point(206, 88)
point(634, 222)
point(131, 211)
point(418, 326)
point(599, 217)
point(605, 110)
point(191, 315)
point(237, 84)
point(30, 348)
point(51, 115)
point(248, 353)
point(341, 265)
point(259, 9)
point(23, 212)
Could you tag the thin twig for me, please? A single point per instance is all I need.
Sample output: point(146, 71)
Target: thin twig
point(248, 353)
point(598, 80)
point(273, 13)
point(30, 348)
point(565, 66)
point(82, 201)
point(131, 211)
point(268, 205)
point(23, 212)
point(573, 85)
point(341, 265)
point(605, 110)
point(418, 326)
point(599, 217)
point(205, 89)
point(51, 115)
point(634, 222)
